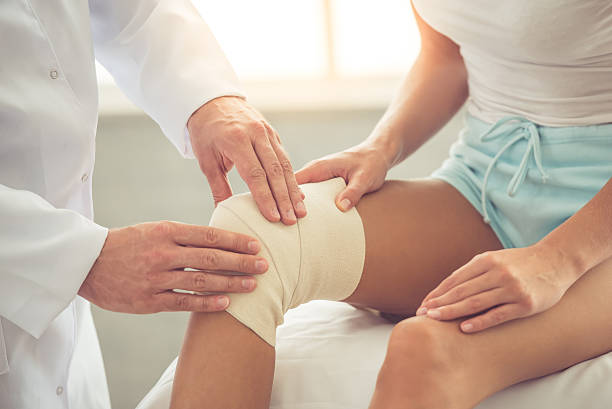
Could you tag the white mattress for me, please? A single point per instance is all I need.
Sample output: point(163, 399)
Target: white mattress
point(328, 356)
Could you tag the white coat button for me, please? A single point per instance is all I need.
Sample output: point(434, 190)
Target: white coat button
point(84, 177)
point(53, 74)
point(59, 391)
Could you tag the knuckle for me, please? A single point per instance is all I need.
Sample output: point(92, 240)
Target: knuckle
point(204, 303)
point(239, 243)
point(486, 256)
point(257, 174)
point(507, 276)
point(475, 304)
point(528, 302)
point(276, 169)
point(244, 264)
point(295, 192)
point(212, 236)
point(200, 281)
point(164, 228)
point(498, 316)
point(286, 166)
point(459, 293)
point(181, 302)
point(210, 259)
point(236, 133)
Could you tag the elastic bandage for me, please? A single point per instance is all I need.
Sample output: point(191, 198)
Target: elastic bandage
point(319, 258)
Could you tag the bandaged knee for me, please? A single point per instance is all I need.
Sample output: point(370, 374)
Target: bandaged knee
point(319, 258)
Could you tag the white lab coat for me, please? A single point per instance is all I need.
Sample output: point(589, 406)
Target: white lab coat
point(165, 59)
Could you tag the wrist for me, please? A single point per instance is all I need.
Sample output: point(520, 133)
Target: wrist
point(567, 261)
point(388, 146)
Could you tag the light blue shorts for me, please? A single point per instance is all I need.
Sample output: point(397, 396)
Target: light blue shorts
point(526, 179)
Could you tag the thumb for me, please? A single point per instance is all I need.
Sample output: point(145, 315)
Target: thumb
point(219, 184)
point(353, 192)
point(316, 171)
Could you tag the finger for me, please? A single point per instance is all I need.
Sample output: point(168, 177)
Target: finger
point(493, 317)
point(172, 301)
point(254, 175)
point(217, 178)
point(473, 268)
point(206, 282)
point(479, 284)
point(295, 194)
point(316, 171)
point(219, 261)
point(211, 237)
point(356, 188)
point(470, 306)
point(276, 179)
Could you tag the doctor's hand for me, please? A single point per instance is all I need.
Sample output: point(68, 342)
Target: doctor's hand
point(140, 266)
point(363, 168)
point(228, 131)
point(500, 286)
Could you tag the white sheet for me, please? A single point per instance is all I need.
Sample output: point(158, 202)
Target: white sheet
point(328, 356)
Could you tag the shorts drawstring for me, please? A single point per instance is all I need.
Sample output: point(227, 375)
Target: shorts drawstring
point(524, 129)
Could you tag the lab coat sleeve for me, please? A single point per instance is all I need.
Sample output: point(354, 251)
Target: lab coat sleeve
point(45, 255)
point(164, 57)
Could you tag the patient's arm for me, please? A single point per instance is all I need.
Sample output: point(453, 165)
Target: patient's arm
point(224, 364)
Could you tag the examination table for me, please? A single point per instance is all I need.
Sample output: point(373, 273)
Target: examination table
point(328, 356)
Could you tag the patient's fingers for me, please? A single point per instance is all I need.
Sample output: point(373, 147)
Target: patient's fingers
point(219, 261)
point(475, 267)
point(201, 281)
point(211, 237)
point(316, 171)
point(479, 284)
point(171, 301)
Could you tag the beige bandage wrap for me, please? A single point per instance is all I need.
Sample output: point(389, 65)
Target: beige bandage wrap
point(319, 258)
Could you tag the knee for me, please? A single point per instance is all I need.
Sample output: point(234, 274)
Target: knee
point(320, 257)
point(422, 346)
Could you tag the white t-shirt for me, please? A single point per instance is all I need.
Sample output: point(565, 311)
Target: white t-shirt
point(549, 61)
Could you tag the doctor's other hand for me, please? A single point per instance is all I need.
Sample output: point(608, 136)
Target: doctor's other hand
point(228, 131)
point(363, 168)
point(140, 266)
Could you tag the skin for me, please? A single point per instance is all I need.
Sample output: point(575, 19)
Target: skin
point(139, 266)
point(561, 284)
point(224, 364)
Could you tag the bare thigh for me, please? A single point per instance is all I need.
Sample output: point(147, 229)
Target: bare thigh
point(417, 233)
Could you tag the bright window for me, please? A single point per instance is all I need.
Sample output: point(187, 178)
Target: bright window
point(306, 39)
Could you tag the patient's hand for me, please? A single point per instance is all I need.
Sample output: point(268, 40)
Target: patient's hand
point(228, 131)
point(140, 266)
point(363, 168)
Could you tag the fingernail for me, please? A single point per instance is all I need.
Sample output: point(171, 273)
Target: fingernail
point(345, 204)
point(433, 314)
point(275, 214)
point(261, 265)
point(290, 214)
point(300, 207)
point(222, 302)
point(253, 246)
point(421, 311)
point(467, 326)
point(247, 284)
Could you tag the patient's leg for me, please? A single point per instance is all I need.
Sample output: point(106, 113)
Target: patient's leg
point(416, 233)
point(433, 365)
